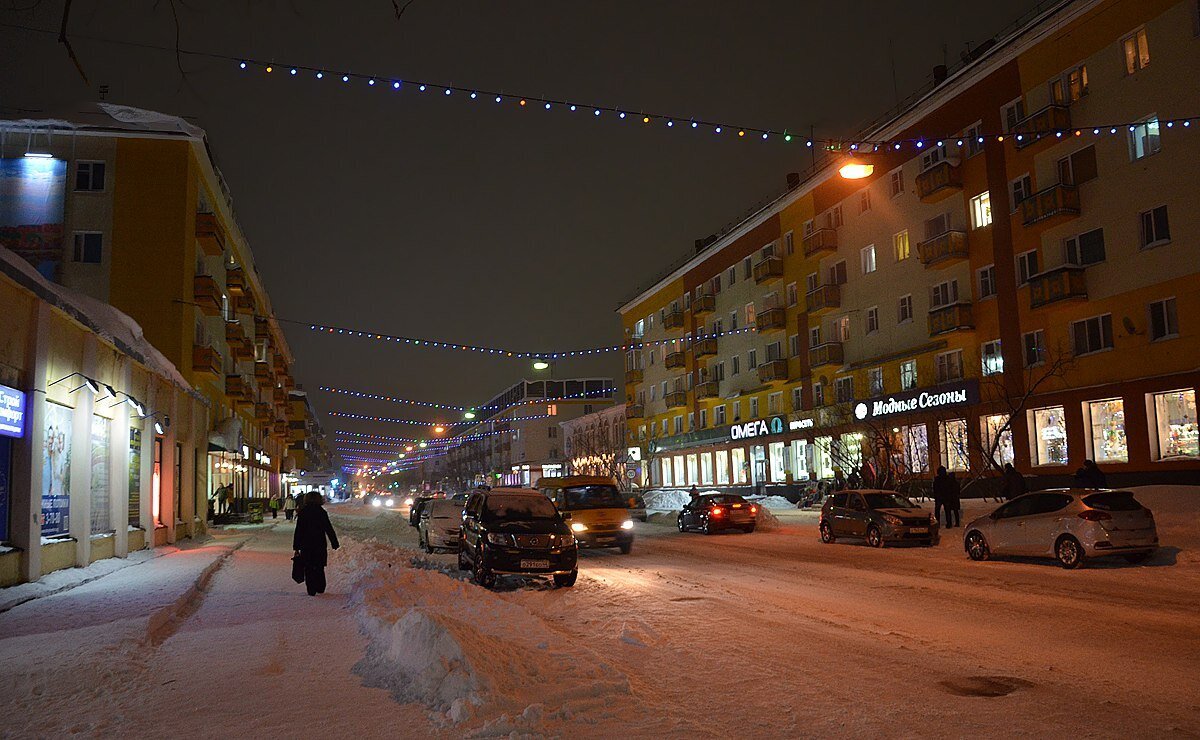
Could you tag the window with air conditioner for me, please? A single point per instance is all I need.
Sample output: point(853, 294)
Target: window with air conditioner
point(1084, 249)
point(1092, 335)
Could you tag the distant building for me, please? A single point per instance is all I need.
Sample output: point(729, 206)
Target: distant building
point(595, 444)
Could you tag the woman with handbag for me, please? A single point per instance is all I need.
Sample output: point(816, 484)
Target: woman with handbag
point(312, 527)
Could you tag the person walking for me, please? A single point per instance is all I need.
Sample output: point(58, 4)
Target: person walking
point(273, 505)
point(1013, 482)
point(312, 528)
point(954, 503)
point(289, 507)
point(942, 495)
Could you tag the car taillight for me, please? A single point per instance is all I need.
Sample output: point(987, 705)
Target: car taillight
point(717, 511)
point(753, 509)
point(1092, 515)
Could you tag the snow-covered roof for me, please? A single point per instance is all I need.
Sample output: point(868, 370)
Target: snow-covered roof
point(108, 117)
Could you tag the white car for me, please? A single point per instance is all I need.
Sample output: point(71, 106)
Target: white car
point(440, 525)
point(1070, 524)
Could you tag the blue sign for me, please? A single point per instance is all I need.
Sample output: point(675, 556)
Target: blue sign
point(12, 412)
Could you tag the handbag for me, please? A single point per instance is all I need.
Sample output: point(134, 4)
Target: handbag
point(297, 569)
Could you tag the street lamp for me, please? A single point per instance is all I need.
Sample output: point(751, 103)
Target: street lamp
point(855, 169)
point(469, 415)
point(541, 365)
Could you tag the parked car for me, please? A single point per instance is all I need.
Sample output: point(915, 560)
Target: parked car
point(516, 531)
point(876, 516)
point(716, 512)
point(440, 525)
point(416, 503)
point(1069, 524)
point(599, 511)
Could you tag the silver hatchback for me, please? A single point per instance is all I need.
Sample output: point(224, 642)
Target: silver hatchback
point(1069, 524)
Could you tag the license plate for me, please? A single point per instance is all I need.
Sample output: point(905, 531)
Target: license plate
point(605, 540)
point(535, 564)
point(918, 530)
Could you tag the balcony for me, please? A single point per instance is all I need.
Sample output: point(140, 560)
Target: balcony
point(704, 304)
point(263, 413)
point(705, 348)
point(281, 428)
point(206, 295)
point(635, 411)
point(944, 249)
point(240, 346)
point(1055, 204)
point(1041, 125)
point(673, 319)
point(1066, 283)
point(280, 364)
point(939, 181)
point(244, 304)
point(674, 360)
point(262, 371)
point(945, 319)
point(821, 240)
point(238, 387)
point(768, 269)
point(770, 320)
point(675, 399)
point(773, 371)
point(823, 299)
point(207, 360)
point(209, 235)
point(829, 353)
point(235, 281)
point(633, 376)
point(711, 389)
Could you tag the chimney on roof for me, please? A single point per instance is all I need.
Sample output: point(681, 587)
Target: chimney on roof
point(793, 180)
point(939, 74)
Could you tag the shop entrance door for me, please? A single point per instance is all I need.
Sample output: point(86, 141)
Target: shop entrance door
point(758, 470)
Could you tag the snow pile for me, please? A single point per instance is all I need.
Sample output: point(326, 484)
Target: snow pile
point(470, 655)
point(666, 500)
point(766, 521)
point(772, 502)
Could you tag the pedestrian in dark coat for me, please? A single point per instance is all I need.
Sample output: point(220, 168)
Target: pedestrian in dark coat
point(312, 527)
point(1090, 476)
point(1014, 482)
point(954, 503)
point(942, 494)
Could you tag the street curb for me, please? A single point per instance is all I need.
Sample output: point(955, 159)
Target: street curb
point(155, 553)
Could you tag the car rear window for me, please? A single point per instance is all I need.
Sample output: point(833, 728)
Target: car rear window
point(1113, 501)
point(517, 508)
point(724, 499)
point(445, 509)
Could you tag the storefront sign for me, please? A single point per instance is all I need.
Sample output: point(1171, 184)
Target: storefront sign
point(757, 428)
point(930, 399)
point(12, 412)
point(799, 424)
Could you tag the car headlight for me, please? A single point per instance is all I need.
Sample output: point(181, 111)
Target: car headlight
point(499, 539)
point(376, 502)
point(578, 527)
point(895, 521)
point(627, 524)
point(565, 540)
point(389, 502)
point(408, 502)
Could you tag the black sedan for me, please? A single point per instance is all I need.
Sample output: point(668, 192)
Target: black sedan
point(716, 512)
point(516, 531)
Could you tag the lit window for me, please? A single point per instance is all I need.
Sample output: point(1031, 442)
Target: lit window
point(900, 245)
point(908, 375)
point(1175, 424)
point(981, 210)
point(1108, 430)
point(875, 381)
point(1144, 139)
point(952, 438)
point(1049, 441)
point(868, 259)
point(1136, 49)
point(992, 360)
point(998, 440)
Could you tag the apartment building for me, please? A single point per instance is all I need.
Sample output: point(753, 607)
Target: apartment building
point(596, 444)
point(1013, 282)
point(141, 219)
point(515, 438)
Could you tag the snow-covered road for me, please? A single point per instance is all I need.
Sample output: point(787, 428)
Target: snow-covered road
point(770, 634)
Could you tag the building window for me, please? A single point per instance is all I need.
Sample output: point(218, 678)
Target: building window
point(932, 157)
point(981, 210)
point(775, 403)
point(864, 201)
point(818, 394)
point(943, 294)
point(797, 398)
point(774, 351)
point(792, 294)
point(867, 255)
point(841, 329)
point(843, 389)
point(998, 440)
point(837, 273)
point(678, 424)
point(1164, 324)
point(1107, 420)
point(1070, 86)
point(1175, 424)
point(900, 245)
point(1027, 266)
point(834, 217)
point(1019, 189)
point(897, 182)
point(1092, 335)
point(992, 360)
point(1012, 114)
point(741, 470)
point(736, 366)
point(733, 320)
point(908, 375)
point(88, 247)
point(987, 281)
point(948, 366)
point(722, 465)
point(747, 269)
point(1079, 167)
point(1136, 50)
point(732, 276)
point(905, 309)
point(1144, 139)
point(974, 139)
point(666, 471)
point(1084, 249)
point(872, 319)
point(552, 432)
point(914, 440)
point(752, 359)
point(639, 329)
point(789, 244)
point(719, 415)
point(794, 345)
point(691, 421)
point(754, 407)
point(89, 177)
point(1034, 344)
point(1155, 228)
point(810, 282)
point(751, 314)
point(952, 438)
point(875, 381)
point(1049, 436)
point(814, 336)
point(680, 470)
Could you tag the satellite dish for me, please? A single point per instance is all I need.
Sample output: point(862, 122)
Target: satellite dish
point(1129, 325)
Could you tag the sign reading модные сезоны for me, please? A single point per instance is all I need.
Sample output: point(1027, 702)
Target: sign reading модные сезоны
point(928, 399)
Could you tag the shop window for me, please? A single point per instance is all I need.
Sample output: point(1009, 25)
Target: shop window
point(741, 469)
point(1108, 430)
point(913, 443)
point(822, 458)
point(952, 438)
point(908, 375)
point(998, 440)
point(666, 471)
point(777, 452)
point(1164, 324)
point(992, 359)
point(693, 470)
point(800, 460)
point(1174, 420)
point(706, 469)
point(722, 463)
point(1049, 427)
point(100, 469)
point(680, 470)
point(848, 452)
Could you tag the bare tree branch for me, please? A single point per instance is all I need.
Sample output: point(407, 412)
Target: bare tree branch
point(399, 8)
point(62, 39)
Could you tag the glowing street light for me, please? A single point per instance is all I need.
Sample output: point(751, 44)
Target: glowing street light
point(439, 429)
point(541, 365)
point(469, 415)
point(855, 169)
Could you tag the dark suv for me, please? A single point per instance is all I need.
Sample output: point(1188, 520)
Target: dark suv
point(876, 516)
point(516, 531)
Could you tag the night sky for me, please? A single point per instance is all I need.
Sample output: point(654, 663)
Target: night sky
point(464, 221)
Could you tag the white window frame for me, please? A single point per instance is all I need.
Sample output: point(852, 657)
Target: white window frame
point(990, 281)
point(1170, 317)
point(867, 259)
point(991, 359)
point(872, 322)
point(981, 210)
point(904, 309)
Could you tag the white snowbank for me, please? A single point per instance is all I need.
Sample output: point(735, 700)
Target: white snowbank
point(766, 521)
point(772, 502)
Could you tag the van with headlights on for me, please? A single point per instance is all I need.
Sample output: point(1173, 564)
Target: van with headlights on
point(599, 512)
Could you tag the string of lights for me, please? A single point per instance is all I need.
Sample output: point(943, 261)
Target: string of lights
point(467, 409)
point(436, 428)
point(446, 440)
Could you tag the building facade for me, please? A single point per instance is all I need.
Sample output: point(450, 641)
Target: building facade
point(1015, 282)
point(595, 444)
point(142, 220)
